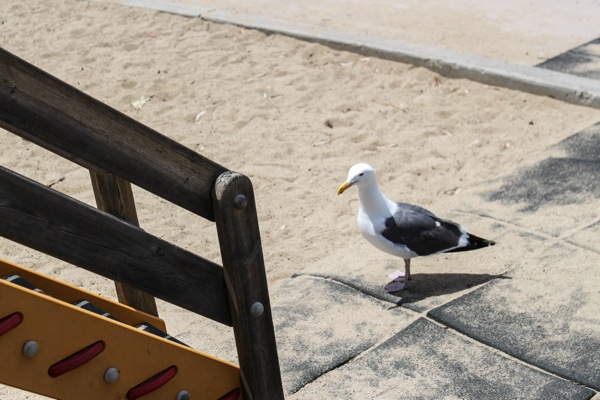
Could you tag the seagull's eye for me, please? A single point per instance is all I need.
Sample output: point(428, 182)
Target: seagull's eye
point(361, 174)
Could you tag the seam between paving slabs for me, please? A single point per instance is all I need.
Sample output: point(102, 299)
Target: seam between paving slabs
point(579, 229)
point(552, 240)
point(506, 355)
point(539, 235)
point(425, 315)
point(414, 314)
point(581, 246)
point(564, 238)
point(333, 368)
point(567, 238)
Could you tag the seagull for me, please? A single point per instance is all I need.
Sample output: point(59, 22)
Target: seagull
point(401, 229)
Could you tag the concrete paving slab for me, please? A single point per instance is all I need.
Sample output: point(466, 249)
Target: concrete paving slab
point(582, 61)
point(434, 282)
point(426, 361)
point(427, 290)
point(316, 333)
point(572, 177)
point(547, 315)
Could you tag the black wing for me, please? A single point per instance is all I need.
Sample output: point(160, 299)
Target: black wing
point(421, 231)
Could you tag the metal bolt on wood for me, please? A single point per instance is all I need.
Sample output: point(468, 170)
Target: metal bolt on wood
point(183, 395)
point(257, 309)
point(240, 201)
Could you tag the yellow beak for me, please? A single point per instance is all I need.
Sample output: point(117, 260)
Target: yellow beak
point(343, 187)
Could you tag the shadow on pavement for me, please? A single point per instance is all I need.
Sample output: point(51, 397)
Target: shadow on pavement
point(571, 179)
point(423, 286)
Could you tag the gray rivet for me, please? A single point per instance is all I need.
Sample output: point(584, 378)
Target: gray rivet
point(111, 375)
point(31, 348)
point(183, 395)
point(240, 201)
point(257, 309)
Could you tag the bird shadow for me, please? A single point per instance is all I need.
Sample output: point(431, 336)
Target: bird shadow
point(424, 286)
point(421, 288)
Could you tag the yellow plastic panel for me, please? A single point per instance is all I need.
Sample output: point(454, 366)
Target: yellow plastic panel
point(61, 329)
point(72, 294)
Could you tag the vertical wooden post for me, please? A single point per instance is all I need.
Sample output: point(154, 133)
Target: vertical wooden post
point(243, 263)
point(114, 195)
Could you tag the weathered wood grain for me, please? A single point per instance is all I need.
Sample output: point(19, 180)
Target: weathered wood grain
point(57, 116)
point(53, 223)
point(60, 118)
point(114, 195)
point(241, 251)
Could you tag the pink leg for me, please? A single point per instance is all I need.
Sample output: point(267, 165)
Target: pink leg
point(398, 283)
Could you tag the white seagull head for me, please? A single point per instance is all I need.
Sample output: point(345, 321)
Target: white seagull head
point(362, 175)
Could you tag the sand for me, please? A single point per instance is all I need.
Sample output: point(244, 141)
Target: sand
point(514, 31)
point(293, 116)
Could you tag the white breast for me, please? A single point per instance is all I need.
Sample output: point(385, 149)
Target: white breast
point(370, 228)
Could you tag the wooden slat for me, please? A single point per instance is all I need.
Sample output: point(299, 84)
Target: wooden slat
point(114, 195)
point(62, 119)
point(60, 226)
point(241, 251)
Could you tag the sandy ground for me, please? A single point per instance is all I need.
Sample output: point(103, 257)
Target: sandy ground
point(292, 116)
